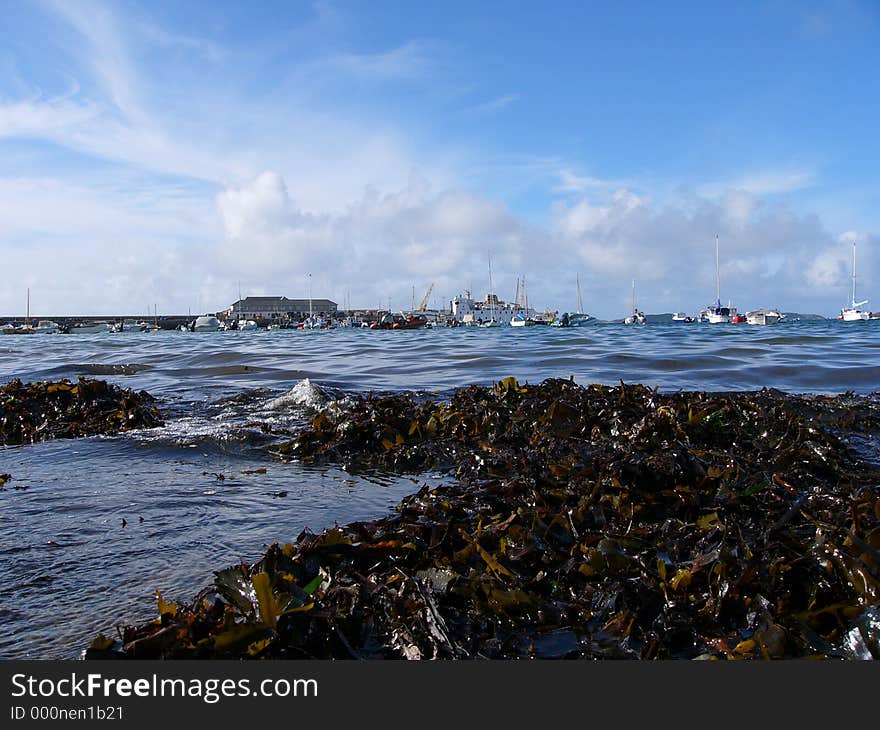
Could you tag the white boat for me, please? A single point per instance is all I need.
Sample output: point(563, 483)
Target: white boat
point(715, 313)
point(246, 325)
point(124, 326)
point(91, 329)
point(17, 329)
point(636, 317)
point(47, 327)
point(206, 323)
point(852, 313)
point(21, 329)
point(764, 316)
point(681, 317)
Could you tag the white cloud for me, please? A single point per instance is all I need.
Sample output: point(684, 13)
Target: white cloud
point(762, 182)
point(264, 186)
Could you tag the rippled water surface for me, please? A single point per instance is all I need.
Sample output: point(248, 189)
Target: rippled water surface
point(193, 494)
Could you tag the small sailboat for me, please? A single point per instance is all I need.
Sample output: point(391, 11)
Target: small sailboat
point(716, 314)
point(579, 318)
point(636, 317)
point(22, 329)
point(852, 313)
point(491, 322)
point(519, 318)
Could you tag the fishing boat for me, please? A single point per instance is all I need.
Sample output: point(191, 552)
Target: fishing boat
point(681, 317)
point(715, 313)
point(400, 321)
point(853, 313)
point(47, 327)
point(636, 317)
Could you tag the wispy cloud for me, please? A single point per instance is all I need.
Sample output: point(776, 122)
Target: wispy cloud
point(202, 46)
point(495, 105)
point(571, 182)
point(406, 62)
point(763, 182)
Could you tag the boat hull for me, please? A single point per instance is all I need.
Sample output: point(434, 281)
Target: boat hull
point(854, 315)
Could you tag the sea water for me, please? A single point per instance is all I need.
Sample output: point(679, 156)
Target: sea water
point(91, 528)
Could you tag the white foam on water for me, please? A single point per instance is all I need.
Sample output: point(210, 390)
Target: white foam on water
point(304, 394)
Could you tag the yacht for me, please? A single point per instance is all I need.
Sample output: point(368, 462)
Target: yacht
point(636, 317)
point(853, 313)
point(579, 318)
point(715, 313)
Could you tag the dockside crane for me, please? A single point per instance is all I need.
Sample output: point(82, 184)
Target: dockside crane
point(424, 305)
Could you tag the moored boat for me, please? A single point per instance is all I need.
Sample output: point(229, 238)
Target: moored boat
point(764, 316)
point(715, 313)
point(636, 317)
point(206, 323)
point(853, 313)
point(91, 329)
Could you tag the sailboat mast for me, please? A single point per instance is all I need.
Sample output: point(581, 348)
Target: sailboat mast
point(580, 304)
point(310, 299)
point(28, 317)
point(854, 275)
point(717, 274)
point(491, 298)
point(634, 296)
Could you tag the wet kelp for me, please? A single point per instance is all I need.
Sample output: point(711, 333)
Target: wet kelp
point(31, 412)
point(592, 522)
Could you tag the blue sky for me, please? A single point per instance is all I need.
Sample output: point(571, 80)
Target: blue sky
point(169, 153)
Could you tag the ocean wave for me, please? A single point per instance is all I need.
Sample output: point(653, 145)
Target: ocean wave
point(305, 394)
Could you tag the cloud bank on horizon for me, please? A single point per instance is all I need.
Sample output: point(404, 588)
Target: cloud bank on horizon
point(167, 156)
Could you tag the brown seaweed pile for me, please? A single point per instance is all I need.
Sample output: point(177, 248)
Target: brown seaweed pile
point(592, 522)
point(31, 412)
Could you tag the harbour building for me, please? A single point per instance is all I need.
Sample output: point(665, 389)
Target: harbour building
point(278, 308)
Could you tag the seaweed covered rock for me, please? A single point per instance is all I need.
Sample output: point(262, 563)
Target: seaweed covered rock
point(31, 412)
point(590, 522)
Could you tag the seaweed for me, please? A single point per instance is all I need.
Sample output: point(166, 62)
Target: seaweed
point(32, 412)
point(577, 522)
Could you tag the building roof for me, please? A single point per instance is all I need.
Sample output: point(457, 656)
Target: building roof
point(250, 301)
